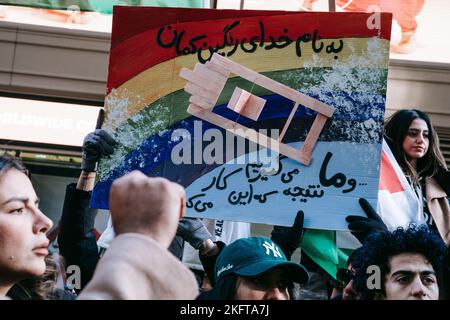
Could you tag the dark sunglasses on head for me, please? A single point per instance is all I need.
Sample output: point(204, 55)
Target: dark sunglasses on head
point(344, 276)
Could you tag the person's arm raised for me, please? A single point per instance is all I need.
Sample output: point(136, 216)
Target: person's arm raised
point(77, 240)
point(96, 145)
point(145, 213)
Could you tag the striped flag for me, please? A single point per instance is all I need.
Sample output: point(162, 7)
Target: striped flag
point(321, 247)
point(398, 204)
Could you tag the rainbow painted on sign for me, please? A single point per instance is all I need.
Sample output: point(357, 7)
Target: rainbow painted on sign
point(332, 57)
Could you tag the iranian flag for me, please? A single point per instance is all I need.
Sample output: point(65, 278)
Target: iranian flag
point(398, 204)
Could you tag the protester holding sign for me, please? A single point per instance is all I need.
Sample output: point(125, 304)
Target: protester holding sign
point(77, 241)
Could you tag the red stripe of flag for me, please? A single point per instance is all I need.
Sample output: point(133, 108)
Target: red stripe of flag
point(388, 177)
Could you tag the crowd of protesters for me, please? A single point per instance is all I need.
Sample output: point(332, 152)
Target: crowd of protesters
point(145, 248)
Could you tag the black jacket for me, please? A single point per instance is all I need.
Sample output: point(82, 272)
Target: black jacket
point(76, 240)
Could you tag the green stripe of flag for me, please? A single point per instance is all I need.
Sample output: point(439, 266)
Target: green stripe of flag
point(320, 246)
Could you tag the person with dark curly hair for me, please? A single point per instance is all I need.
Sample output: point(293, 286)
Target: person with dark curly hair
point(405, 264)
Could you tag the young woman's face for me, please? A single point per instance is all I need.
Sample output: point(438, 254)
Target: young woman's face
point(416, 141)
point(271, 285)
point(23, 243)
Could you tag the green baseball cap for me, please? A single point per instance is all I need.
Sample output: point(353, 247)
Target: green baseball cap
point(252, 256)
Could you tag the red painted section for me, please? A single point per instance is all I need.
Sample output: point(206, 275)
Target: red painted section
point(141, 51)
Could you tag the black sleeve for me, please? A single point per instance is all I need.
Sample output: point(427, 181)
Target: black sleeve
point(209, 263)
point(76, 240)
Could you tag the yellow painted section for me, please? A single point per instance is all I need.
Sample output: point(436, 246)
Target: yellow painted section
point(162, 79)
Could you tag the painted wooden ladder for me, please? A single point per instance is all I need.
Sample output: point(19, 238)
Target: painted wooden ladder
point(206, 82)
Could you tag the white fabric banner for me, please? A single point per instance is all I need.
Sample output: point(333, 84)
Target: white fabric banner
point(398, 204)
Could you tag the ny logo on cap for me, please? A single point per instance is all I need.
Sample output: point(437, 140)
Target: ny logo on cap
point(270, 246)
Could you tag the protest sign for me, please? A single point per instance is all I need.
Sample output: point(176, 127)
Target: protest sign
point(182, 82)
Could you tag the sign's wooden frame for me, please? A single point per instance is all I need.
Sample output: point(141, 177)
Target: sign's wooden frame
point(206, 82)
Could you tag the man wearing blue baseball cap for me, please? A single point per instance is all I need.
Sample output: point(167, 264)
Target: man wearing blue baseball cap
point(255, 268)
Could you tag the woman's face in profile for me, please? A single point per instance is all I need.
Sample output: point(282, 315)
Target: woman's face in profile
point(270, 285)
point(23, 227)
